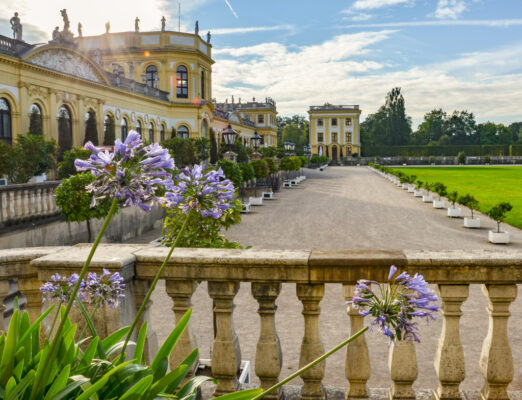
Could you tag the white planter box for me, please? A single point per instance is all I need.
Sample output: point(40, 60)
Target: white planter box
point(267, 195)
point(417, 193)
point(427, 198)
point(405, 186)
point(411, 189)
point(499, 237)
point(455, 212)
point(246, 208)
point(472, 222)
point(287, 184)
point(256, 201)
point(294, 182)
point(438, 204)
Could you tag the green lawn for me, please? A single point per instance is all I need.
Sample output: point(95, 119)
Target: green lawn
point(489, 185)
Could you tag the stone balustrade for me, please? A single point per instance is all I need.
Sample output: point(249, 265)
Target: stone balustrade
point(27, 202)
point(452, 272)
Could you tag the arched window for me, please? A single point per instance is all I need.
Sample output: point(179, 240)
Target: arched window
point(152, 76)
point(35, 120)
point(204, 129)
point(151, 133)
point(183, 132)
point(124, 129)
point(202, 85)
point(5, 122)
point(182, 82)
point(109, 130)
point(162, 133)
point(91, 128)
point(65, 136)
point(138, 126)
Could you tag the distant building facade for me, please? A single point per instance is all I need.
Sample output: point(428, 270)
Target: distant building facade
point(334, 130)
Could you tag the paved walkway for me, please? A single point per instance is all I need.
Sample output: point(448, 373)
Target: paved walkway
point(349, 208)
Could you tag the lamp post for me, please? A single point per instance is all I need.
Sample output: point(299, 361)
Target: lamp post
point(307, 149)
point(256, 141)
point(229, 137)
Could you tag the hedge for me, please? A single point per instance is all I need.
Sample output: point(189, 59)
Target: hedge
point(450, 150)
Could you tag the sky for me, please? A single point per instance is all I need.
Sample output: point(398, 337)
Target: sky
point(449, 54)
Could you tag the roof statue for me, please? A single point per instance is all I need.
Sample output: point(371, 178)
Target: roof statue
point(196, 28)
point(65, 36)
point(163, 22)
point(66, 23)
point(16, 26)
point(107, 27)
point(80, 34)
point(208, 37)
point(137, 25)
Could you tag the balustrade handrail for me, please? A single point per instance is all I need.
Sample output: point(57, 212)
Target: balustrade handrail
point(29, 186)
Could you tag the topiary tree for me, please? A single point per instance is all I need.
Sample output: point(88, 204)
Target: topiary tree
point(461, 158)
point(469, 201)
point(453, 197)
point(268, 152)
point(232, 171)
point(498, 213)
point(35, 122)
point(247, 171)
point(214, 156)
point(91, 129)
point(75, 202)
point(66, 168)
point(184, 151)
point(271, 165)
point(440, 189)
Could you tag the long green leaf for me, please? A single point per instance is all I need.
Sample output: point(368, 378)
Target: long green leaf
point(100, 383)
point(87, 357)
point(140, 343)
point(189, 389)
point(59, 383)
point(22, 386)
point(188, 362)
point(242, 395)
point(138, 390)
point(8, 357)
point(89, 322)
point(114, 337)
point(77, 382)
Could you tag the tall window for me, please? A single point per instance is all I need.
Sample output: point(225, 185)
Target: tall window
point(183, 132)
point(35, 120)
point(260, 119)
point(320, 137)
point(138, 126)
point(151, 133)
point(334, 137)
point(162, 133)
point(348, 137)
point(124, 129)
point(91, 128)
point(334, 121)
point(348, 121)
point(64, 131)
point(5, 122)
point(204, 129)
point(152, 76)
point(182, 82)
point(320, 122)
point(202, 84)
point(109, 130)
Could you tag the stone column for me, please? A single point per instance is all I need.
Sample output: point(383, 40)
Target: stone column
point(357, 366)
point(30, 288)
point(268, 351)
point(449, 357)
point(403, 370)
point(496, 360)
point(181, 294)
point(226, 355)
point(140, 287)
point(311, 347)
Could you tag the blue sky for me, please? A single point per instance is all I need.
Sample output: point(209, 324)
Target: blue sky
point(453, 54)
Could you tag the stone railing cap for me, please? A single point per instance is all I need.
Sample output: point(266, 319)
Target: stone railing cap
point(15, 262)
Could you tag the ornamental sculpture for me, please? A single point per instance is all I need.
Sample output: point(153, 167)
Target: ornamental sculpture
point(65, 36)
point(163, 22)
point(16, 26)
point(137, 24)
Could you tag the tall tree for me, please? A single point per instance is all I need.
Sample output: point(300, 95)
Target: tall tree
point(432, 128)
point(91, 130)
point(398, 124)
point(213, 147)
point(35, 122)
point(461, 127)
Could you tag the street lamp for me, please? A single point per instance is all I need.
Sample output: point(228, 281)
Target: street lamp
point(229, 137)
point(256, 142)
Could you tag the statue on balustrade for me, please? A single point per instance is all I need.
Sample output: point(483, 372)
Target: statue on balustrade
point(163, 22)
point(16, 26)
point(196, 28)
point(107, 27)
point(208, 37)
point(80, 34)
point(137, 24)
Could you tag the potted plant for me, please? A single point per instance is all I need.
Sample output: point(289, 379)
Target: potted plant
point(487, 160)
point(418, 191)
point(441, 190)
point(428, 198)
point(472, 203)
point(498, 213)
point(454, 212)
point(411, 183)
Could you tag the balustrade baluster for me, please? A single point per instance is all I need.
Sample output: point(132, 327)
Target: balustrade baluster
point(4, 291)
point(12, 205)
point(52, 200)
point(357, 366)
point(181, 294)
point(18, 205)
point(311, 348)
point(140, 288)
point(38, 200)
point(403, 370)
point(48, 203)
point(268, 351)
point(496, 360)
point(226, 355)
point(32, 209)
point(4, 210)
point(449, 358)
point(30, 288)
point(45, 209)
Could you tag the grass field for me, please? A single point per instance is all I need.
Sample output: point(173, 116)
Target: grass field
point(489, 185)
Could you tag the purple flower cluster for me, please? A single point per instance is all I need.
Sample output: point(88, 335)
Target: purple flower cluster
point(398, 304)
point(105, 289)
point(131, 173)
point(208, 194)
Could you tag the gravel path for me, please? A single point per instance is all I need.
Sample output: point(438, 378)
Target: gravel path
point(349, 208)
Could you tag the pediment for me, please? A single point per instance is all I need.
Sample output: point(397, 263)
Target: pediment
point(67, 61)
point(234, 118)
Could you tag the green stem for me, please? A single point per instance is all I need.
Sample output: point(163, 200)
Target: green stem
point(310, 365)
point(54, 320)
point(151, 289)
point(54, 343)
point(91, 316)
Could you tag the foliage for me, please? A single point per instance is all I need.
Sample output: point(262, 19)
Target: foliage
point(91, 129)
point(487, 160)
point(271, 165)
point(461, 158)
point(498, 212)
point(453, 197)
point(440, 189)
point(304, 161)
point(318, 159)
point(35, 122)
point(266, 152)
point(202, 146)
point(184, 151)
point(289, 164)
point(232, 171)
point(293, 129)
point(260, 168)
point(469, 201)
point(109, 129)
point(31, 155)
point(241, 150)
point(214, 156)
point(66, 168)
point(247, 171)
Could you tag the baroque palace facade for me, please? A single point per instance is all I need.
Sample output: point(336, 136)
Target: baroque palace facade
point(334, 131)
point(158, 83)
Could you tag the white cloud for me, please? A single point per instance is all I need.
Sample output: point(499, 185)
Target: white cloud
point(229, 31)
point(449, 9)
point(373, 4)
point(493, 23)
point(231, 9)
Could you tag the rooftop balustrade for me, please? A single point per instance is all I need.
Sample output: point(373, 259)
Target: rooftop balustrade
point(333, 107)
point(452, 272)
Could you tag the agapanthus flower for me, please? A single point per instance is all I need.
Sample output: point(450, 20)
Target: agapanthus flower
point(104, 289)
point(132, 173)
point(60, 288)
point(208, 194)
point(395, 307)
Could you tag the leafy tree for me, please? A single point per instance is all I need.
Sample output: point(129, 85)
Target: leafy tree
point(397, 123)
point(109, 135)
point(271, 165)
point(35, 122)
point(184, 151)
point(469, 201)
point(66, 168)
point(241, 150)
point(440, 189)
point(247, 171)
point(91, 130)
point(232, 171)
point(260, 168)
point(461, 127)
point(214, 156)
point(432, 128)
point(270, 151)
point(498, 212)
point(202, 147)
point(453, 197)
point(75, 202)
point(64, 132)
point(461, 158)
point(516, 129)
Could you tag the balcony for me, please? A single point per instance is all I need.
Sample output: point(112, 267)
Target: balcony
point(222, 272)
